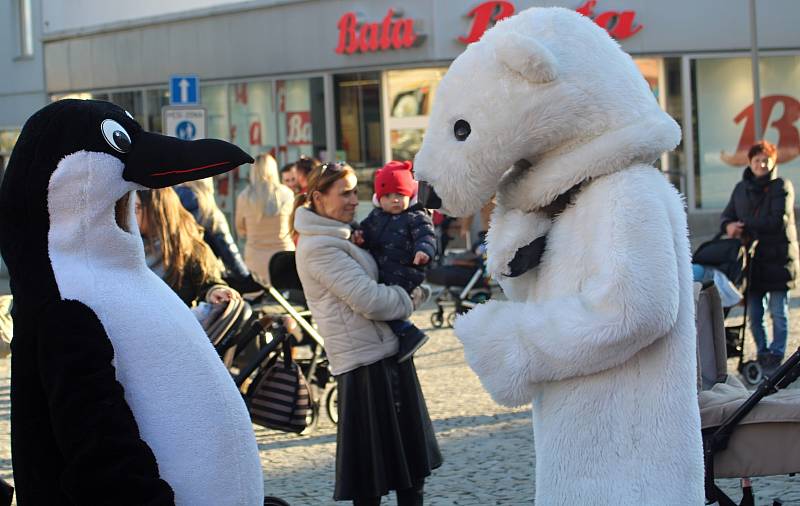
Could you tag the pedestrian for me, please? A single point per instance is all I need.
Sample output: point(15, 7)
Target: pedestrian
point(262, 216)
point(385, 439)
point(197, 197)
point(289, 177)
point(761, 208)
point(401, 238)
point(175, 250)
point(302, 168)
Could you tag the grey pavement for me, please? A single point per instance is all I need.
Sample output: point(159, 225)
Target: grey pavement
point(488, 449)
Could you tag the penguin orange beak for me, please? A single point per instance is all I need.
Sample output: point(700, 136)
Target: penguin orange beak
point(158, 161)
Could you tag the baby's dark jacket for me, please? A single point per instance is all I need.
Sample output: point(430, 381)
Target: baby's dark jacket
point(394, 239)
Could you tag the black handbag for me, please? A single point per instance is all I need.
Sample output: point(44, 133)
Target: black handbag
point(726, 255)
point(279, 397)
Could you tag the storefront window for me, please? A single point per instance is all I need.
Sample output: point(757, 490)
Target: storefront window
point(301, 119)
point(156, 99)
point(132, 102)
point(358, 110)
point(725, 121)
point(214, 98)
point(410, 94)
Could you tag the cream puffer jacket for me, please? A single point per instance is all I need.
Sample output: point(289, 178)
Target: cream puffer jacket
point(349, 305)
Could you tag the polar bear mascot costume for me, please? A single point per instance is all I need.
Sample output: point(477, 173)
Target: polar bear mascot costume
point(589, 243)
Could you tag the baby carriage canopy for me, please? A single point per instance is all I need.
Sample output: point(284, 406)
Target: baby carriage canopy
point(745, 433)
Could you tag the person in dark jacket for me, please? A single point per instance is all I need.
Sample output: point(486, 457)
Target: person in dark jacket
point(197, 197)
point(761, 209)
point(402, 240)
point(175, 250)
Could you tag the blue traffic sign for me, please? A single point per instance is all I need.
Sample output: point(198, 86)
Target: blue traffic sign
point(185, 130)
point(184, 90)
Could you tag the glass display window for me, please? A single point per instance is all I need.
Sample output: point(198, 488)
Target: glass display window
point(301, 119)
point(726, 121)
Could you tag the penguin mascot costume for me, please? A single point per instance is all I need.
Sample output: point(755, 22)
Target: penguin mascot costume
point(117, 396)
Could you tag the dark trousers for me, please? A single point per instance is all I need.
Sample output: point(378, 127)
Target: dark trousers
point(408, 497)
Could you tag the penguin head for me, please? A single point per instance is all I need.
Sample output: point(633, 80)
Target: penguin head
point(88, 154)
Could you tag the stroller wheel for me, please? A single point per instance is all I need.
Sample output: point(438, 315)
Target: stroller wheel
point(274, 501)
point(312, 420)
point(437, 320)
point(451, 319)
point(332, 403)
point(752, 372)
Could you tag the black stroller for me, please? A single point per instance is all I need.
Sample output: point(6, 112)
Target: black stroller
point(735, 260)
point(465, 284)
point(252, 350)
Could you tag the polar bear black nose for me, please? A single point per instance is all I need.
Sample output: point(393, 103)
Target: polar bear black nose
point(461, 130)
point(427, 196)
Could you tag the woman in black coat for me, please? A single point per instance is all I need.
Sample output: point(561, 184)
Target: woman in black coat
point(762, 208)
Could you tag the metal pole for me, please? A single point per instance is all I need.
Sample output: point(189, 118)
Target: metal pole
point(754, 65)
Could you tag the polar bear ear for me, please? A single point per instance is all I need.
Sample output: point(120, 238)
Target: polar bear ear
point(524, 55)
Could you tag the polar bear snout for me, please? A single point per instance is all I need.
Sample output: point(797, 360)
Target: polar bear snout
point(427, 196)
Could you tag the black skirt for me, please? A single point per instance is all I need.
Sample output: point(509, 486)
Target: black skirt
point(385, 439)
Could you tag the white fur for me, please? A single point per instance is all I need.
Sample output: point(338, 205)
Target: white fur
point(600, 337)
point(185, 403)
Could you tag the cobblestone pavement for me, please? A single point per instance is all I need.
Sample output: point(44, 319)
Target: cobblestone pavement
point(488, 449)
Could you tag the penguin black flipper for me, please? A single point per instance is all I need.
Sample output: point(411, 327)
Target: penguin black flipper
point(105, 459)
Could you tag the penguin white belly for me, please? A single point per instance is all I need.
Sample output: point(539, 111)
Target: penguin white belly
point(185, 403)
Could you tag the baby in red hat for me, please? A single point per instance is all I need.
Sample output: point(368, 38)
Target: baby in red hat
point(399, 234)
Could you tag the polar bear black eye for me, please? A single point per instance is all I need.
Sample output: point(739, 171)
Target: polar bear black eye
point(116, 136)
point(461, 130)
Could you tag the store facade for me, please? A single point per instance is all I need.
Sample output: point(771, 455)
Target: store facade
point(356, 80)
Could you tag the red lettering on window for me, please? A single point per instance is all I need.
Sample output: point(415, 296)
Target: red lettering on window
point(788, 135)
point(255, 133)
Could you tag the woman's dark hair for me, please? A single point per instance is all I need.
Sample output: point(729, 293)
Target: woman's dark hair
point(764, 147)
point(321, 178)
point(306, 164)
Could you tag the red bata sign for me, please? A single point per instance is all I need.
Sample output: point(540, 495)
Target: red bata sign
point(619, 24)
point(393, 32)
point(396, 32)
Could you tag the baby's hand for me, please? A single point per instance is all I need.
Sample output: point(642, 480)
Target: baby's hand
point(421, 258)
point(357, 237)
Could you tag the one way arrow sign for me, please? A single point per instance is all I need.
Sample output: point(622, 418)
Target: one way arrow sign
point(184, 90)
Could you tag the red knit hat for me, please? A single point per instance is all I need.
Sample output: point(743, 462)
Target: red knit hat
point(395, 177)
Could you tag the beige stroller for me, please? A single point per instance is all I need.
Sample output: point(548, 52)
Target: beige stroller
point(745, 433)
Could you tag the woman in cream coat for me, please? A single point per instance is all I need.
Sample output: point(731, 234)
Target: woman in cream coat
point(262, 216)
point(385, 439)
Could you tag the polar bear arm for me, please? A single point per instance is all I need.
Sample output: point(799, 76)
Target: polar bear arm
point(105, 459)
point(630, 301)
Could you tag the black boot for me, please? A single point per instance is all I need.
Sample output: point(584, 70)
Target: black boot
point(411, 339)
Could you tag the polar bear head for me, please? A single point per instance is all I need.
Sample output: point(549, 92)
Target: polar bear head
point(545, 100)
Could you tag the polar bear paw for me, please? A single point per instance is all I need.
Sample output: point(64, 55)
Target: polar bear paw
point(492, 350)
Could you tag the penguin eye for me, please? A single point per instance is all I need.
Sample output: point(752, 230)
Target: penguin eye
point(461, 130)
point(116, 136)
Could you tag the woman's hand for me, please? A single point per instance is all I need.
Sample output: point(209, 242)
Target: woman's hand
point(357, 237)
point(734, 229)
point(220, 294)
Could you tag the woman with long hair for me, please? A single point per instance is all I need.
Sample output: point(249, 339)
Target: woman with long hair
point(385, 440)
point(262, 216)
point(175, 250)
